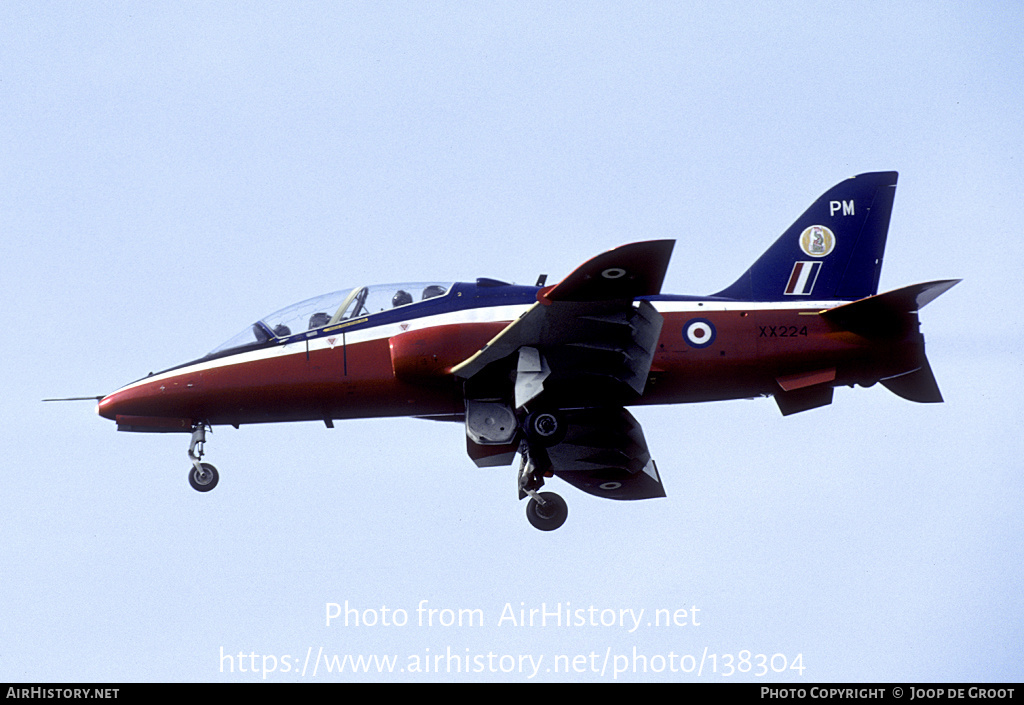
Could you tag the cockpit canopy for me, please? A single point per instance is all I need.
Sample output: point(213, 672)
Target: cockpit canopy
point(332, 309)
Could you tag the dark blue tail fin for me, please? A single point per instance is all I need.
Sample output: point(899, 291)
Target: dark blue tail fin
point(832, 252)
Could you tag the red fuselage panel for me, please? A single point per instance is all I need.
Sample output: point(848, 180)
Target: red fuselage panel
point(702, 355)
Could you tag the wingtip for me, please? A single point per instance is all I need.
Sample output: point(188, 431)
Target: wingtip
point(624, 272)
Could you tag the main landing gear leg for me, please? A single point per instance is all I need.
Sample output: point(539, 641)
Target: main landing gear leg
point(546, 510)
point(203, 477)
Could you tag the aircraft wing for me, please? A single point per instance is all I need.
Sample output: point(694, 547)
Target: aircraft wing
point(604, 453)
point(622, 273)
point(584, 342)
point(581, 352)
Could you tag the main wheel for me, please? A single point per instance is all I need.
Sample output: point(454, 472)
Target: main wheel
point(548, 516)
point(203, 481)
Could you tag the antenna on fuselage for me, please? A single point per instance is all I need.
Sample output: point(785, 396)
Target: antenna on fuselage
point(542, 280)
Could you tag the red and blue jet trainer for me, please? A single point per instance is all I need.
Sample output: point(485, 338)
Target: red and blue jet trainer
point(548, 371)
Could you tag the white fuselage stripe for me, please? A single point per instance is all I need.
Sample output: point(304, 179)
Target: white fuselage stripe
point(484, 314)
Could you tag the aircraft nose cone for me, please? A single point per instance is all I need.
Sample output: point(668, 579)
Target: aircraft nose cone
point(107, 406)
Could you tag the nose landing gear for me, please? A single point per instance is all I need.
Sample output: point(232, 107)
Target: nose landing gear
point(202, 476)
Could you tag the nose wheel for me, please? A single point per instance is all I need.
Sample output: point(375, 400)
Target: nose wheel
point(202, 476)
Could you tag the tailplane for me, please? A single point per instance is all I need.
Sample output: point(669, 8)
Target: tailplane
point(919, 385)
point(832, 252)
point(893, 316)
point(888, 315)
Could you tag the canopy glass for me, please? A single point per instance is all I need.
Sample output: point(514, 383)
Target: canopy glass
point(331, 309)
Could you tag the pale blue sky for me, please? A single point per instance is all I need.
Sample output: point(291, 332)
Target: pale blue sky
point(170, 173)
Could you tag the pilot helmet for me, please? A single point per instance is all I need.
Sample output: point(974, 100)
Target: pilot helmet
point(401, 298)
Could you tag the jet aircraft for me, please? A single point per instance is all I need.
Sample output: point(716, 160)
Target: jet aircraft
point(548, 372)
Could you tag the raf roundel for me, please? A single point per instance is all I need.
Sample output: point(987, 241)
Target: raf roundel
point(699, 332)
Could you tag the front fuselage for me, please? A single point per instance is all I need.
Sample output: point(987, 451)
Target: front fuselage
point(398, 363)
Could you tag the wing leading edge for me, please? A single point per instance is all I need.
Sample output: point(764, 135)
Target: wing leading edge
point(597, 296)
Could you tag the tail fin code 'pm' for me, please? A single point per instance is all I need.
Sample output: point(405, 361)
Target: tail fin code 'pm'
point(832, 252)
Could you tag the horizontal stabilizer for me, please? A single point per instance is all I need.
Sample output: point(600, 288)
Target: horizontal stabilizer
point(885, 315)
point(919, 385)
